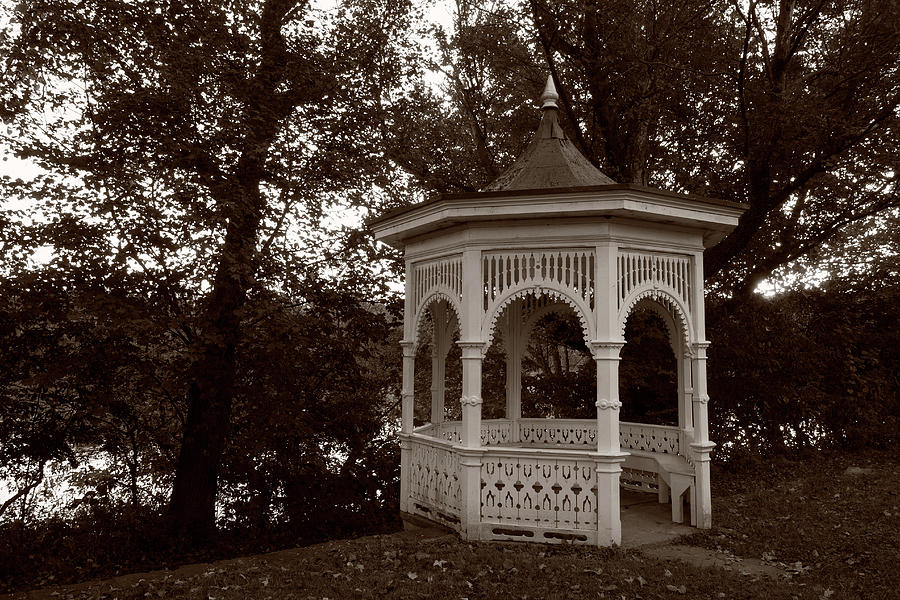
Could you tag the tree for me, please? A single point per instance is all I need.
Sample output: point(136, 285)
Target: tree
point(208, 136)
point(788, 106)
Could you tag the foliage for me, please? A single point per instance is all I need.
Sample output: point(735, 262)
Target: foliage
point(806, 369)
point(559, 378)
point(846, 557)
point(189, 152)
point(788, 106)
point(648, 379)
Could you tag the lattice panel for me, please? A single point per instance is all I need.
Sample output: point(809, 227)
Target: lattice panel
point(572, 270)
point(496, 433)
point(644, 269)
point(443, 273)
point(450, 431)
point(557, 493)
point(649, 438)
point(434, 477)
point(558, 432)
point(639, 480)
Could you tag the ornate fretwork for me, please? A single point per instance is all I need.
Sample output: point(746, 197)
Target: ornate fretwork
point(533, 299)
point(451, 318)
point(439, 275)
point(434, 479)
point(571, 271)
point(649, 438)
point(539, 492)
point(639, 270)
point(639, 480)
point(666, 302)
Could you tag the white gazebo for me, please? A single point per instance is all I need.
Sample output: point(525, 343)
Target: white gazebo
point(553, 234)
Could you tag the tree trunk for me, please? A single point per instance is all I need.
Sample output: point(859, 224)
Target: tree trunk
point(212, 379)
point(212, 374)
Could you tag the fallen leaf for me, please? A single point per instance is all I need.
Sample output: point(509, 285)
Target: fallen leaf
point(411, 575)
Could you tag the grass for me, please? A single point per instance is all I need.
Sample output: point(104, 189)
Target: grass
point(837, 533)
point(839, 528)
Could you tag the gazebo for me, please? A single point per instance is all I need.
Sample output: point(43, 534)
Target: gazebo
point(553, 234)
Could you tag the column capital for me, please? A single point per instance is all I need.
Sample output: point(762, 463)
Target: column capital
point(700, 399)
point(472, 348)
point(703, 345)
point(608, 350)
point(409, 348)
point(702, 450)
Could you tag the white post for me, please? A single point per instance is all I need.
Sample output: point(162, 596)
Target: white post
point(407, 397)
point(701, 446)
point(472, 351)
point(609, 455)
point(514, 345)
point(701, 500)
point(605, 348)
point(440, 345)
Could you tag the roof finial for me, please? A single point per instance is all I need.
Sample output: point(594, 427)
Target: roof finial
point(549, 97)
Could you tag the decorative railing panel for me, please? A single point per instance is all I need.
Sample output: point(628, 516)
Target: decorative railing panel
point(565, 433)
point(639, 480)
point(572, 270)
point(638, 269)
point(650, 438)
point(439, 274)
point(450, 431)
point(496, 432)
point(560, 432)
point(434, 477)
point(531, 490)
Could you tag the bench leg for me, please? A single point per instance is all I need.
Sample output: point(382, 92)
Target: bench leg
point(693, 506)
point(679, 484)
point(663, 490)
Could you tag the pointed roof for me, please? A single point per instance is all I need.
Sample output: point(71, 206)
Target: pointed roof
point(551, 160)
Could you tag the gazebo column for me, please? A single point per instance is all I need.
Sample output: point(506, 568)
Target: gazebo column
point(609, 455)
point(470, 454)
point(514, 345)
point(407, 397)
point(701, 446)
point(472, 350)
point(440, 346)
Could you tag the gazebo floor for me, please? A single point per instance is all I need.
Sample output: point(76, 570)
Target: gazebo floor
point(645, 521)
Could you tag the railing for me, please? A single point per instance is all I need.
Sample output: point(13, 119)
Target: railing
point(435, 489)
point(561, 432)
point(496, 432)
point(565, 433)
point(650, 438)
point(552, 489)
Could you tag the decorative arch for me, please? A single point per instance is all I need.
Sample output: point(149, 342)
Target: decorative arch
point(668, 307)
point(539, 313)
point(583, 312)
point(435, 296)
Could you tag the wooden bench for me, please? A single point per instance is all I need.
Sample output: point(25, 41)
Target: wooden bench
point(673, 477)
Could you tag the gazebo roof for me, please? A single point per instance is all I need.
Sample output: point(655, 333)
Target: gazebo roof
point(551, 160)
point(552, 179)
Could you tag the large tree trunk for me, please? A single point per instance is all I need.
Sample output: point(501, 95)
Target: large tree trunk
point(212, 377)
point(212, 374)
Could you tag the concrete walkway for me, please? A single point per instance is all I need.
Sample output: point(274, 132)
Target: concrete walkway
point(645, 521)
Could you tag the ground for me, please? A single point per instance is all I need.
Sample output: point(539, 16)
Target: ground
point(818, 528)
